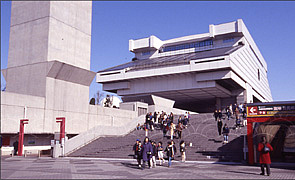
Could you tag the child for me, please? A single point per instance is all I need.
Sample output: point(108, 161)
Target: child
point(138, 152)
point(160, 150)
point(138, 127)
point(182, 150)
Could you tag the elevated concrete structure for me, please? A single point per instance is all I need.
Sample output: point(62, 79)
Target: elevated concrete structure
point(199, 72)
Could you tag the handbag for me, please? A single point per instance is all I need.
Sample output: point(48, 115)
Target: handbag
point(266, 149)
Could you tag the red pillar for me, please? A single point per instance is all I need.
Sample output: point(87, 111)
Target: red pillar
point(21, 136)
point(62, 131)
point(250, 142)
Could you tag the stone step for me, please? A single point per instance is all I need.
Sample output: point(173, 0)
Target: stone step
point(201, 132)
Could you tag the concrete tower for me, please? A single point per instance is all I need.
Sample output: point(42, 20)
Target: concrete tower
point(49, 53)
point(48, 67)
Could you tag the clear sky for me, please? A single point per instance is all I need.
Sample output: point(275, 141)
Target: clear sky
point(271, 24)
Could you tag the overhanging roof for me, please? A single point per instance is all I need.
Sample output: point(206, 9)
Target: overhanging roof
point(173, 60)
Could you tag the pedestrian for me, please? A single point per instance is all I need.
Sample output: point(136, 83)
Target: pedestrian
point(179, 128)
point(188, 117)
point(155, 117)
point(244, 110)
point(182, 150)
point(185, 122)
point(219, 126)
point(219, 114)
point(138, 127)
point(151, 122)
point(165, 128)
point(170, 153)
point(215, 114)
point(147, 151)
point(154, 152)
point(134, 148)
point(174, 148)
point(228, 113)
point(171, 117)
point(237, 114)
point(138, 152)
point(234, 108)
point(264, 158)
point(179, 120)
point(146, 129)
point(225, 133)
point(172, 128)
point(160, 150)
point(231, 109)
point(15, 147)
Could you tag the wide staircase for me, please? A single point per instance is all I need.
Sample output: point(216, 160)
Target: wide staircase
point(201, 133)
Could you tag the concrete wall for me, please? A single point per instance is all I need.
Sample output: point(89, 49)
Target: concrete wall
point(42, 120)
point(100, 131)
point(245, 63)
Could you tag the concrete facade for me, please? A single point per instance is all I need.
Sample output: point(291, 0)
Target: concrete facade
point(199, 72)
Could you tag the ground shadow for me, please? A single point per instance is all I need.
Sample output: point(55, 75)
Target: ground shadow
point(130, 165)
point(240, 172)
point(215, 141)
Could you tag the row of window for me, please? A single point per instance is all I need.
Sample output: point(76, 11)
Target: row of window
point(145, 53)
point(228, 40)
point(187, 46)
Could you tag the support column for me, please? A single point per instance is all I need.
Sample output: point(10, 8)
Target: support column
point(21, 136)
point(218, 103)
point(250, 141)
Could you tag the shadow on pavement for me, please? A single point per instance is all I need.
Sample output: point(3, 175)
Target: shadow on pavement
point(240, 172)
point(130, 165)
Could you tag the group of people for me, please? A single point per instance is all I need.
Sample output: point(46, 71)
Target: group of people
point(235, 110)
point(146, 152)
point(166, 123)
point(231, 110)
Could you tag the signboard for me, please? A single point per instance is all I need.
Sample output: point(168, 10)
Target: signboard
point(273, 110)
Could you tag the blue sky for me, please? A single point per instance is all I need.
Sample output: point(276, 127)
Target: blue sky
point(271, 25)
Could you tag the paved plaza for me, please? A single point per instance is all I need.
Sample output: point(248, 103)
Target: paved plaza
point(94, 168)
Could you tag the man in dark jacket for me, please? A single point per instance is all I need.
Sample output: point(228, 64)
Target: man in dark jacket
point(219, 114)
point(215, 114)
point(219, 126)
point(15, 147)
point(147, 151)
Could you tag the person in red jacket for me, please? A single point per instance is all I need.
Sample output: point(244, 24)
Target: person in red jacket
point(264, 158)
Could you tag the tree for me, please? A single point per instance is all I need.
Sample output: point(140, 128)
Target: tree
point(99, 96)
point(3, 86)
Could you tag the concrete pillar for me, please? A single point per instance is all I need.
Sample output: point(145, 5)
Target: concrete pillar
point(218, 103)
point(249, 93)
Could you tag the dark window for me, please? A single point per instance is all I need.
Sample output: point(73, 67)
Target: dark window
point(187, 46)
point(258, 75)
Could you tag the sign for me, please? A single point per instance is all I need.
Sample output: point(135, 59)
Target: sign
point(273, 110)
